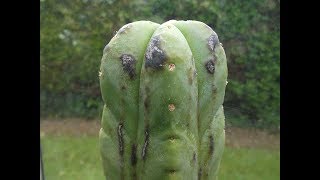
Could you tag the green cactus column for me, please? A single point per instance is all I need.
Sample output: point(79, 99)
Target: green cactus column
point(163, 88)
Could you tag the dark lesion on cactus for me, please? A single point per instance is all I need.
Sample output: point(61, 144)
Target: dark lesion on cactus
point(121, 147)
point(120, 139)
point(123, 87)
point(213, 40)
point(170, 171)
point(146, 99)
point(155, 56)
point(211, 145)
point(173, 137)
point(210, 65)
point(199, 173)
point(128, 64)
point(146, 143)
point(194, 157)
point(134, 154)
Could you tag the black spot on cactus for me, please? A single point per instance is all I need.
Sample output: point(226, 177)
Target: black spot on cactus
point(170, 171)
point(199, 173)
point(134, 161)
point(146, 104)
point(134, 155)
point(120, 138)
point(210, 65)
point(155, 56)
point(173, 137)
point(146, 100)
point(146, 143)
point(194, 157)
point(128, 64)
point(213, 41)
point(211, 143)
point(121, 148)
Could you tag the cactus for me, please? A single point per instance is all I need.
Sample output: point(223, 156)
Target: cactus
point(163, 88)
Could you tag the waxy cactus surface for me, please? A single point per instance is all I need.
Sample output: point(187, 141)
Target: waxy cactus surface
point(163, 88)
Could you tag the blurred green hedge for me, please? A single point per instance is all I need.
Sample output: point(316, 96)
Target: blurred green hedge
point(74, 33)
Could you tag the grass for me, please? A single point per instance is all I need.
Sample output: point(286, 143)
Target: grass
point(78, 158)
point(247, 164)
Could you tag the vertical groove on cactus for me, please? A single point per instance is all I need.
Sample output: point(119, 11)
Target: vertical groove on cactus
point(134, 155)
point(146, 142)
point(134, 161)
point(157, 72)
point(120, 92)
point(203, 39)
point(121, 146)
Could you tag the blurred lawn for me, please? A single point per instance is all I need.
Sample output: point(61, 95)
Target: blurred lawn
point(78, 158)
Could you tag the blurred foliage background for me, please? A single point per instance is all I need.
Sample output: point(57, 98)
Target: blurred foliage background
point(74, 33)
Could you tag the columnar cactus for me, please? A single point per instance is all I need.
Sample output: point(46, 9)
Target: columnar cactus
point(163, 88)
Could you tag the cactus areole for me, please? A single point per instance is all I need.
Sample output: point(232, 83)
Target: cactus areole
point(163, 87)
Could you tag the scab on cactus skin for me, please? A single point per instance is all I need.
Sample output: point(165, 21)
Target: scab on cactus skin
point(210, 66)
point(213, 41)
point(128, 63)
point(155, 56)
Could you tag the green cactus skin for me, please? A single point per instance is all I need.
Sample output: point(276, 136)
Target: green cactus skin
point(163, 88)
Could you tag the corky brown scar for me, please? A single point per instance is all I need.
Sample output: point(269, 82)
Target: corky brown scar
point(210, 65)
point(155, 56)
point(146, 143)
point(128, 64)
point(120, 139)
point(213, 40)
